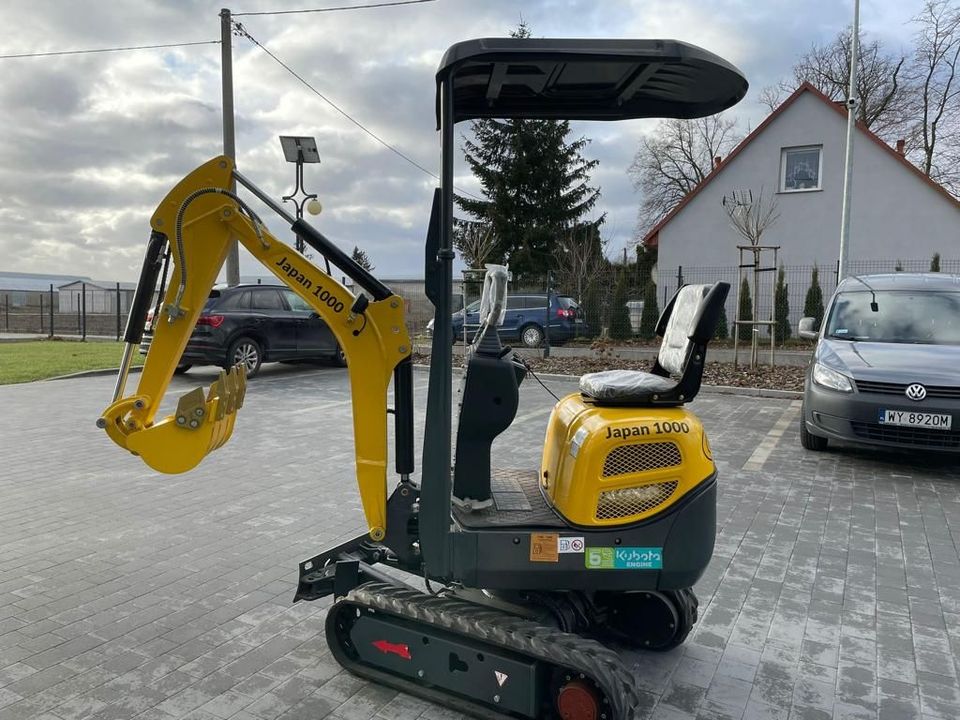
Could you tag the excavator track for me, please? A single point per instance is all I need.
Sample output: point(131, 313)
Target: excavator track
point(477, 660)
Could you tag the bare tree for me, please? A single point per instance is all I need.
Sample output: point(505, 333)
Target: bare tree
point(750, 216)
point(578, 258)
point(475, 241)
point(771, 96)
point(935, 70)
point(885, 93)
point(676, 158)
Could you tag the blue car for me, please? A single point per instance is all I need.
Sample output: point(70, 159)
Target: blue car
point(525, 320)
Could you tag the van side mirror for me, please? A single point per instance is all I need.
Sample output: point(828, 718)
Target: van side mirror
point(808, 328)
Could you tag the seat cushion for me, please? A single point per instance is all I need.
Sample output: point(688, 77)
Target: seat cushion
point(624, 387)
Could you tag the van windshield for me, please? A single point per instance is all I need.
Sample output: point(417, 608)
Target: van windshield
point(903, 317)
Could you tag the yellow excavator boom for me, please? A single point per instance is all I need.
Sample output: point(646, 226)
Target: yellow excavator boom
point(194, 225)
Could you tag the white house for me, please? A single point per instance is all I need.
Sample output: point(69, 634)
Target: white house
point(797, 155)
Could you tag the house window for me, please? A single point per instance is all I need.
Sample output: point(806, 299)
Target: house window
point(800, 168)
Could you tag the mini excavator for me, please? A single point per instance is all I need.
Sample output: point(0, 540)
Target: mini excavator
point(541, 570)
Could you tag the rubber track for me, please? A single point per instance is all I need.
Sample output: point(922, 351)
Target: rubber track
point(468, 620)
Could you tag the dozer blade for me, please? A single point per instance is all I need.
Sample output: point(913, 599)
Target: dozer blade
point(198, 427)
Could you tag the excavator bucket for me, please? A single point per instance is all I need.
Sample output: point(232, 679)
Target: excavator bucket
point(179, 442)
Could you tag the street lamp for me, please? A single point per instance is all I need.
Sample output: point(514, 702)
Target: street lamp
point(299, 150)
point(852, 106)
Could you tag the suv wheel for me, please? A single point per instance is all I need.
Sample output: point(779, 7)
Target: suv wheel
point(246, 351)
point(339, 359)
point(181, 369)
point(531, 335)
point(808, 439)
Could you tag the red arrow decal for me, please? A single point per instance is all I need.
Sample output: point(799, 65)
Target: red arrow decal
point(386, 647)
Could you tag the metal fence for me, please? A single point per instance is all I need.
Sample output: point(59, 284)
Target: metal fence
point(88, 311)
point(598, 295)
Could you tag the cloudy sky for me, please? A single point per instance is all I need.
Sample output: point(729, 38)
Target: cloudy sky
point(90, 143)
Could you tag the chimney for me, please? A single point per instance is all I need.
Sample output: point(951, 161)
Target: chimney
point(716, 162)
point(900, 146)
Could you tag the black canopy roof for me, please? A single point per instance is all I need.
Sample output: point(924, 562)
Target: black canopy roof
point(581, 79)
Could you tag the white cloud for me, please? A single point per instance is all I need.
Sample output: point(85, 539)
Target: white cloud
point(89, 144)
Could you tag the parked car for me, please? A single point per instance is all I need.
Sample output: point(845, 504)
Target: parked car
point(254, 324)
point(525, 320)
point(886, 368)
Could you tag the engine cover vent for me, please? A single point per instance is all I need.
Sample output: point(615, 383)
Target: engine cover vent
point(640, 457)
point(626, 502)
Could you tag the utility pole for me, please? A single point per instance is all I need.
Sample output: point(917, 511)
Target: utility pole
point(229, 144)
point(852, 104)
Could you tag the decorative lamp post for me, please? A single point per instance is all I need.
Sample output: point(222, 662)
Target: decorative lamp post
point(299, 150)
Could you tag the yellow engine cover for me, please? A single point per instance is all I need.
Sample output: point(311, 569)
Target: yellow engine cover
point(607, 466)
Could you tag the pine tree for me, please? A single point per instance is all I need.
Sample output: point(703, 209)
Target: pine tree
point(592, 305)
point(535, 183)
point(782, 305)
point(723, 330)
point(651, 312)
point(813, 304)
point(361, 258)
point(746, 302)
point(935, 263)
point(619, 312)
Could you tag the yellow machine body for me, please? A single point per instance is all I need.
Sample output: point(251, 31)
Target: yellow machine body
point(605, 465)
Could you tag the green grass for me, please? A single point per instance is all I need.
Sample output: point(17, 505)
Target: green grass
point(25, 361)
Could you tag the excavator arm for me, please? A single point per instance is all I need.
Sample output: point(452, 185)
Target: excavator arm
point(193, 227)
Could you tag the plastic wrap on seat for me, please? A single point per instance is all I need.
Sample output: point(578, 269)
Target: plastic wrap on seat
point(493, 302)
point(676, 338)
point(623, 386)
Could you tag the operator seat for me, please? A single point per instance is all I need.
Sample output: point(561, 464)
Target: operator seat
point(687, 324)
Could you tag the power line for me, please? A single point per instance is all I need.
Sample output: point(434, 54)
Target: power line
point(106, 50)
point(240, 29)
point(333, 9)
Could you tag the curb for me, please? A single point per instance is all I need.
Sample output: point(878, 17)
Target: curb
point(90, 373)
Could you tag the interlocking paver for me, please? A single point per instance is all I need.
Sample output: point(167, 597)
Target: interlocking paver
point(834, 591)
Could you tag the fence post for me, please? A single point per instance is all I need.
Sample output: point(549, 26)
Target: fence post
point(41, 313)
point(51, 309)
point(83, 305)
point(679, 276)
point(78, 313)
point(118, 312)
point(6, 311)
point(546, 326)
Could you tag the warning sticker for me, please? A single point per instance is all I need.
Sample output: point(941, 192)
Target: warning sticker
point(623, 558)
point(571, 545)
point(544, 547)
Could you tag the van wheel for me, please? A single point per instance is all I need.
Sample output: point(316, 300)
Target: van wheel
point(531, 335)
point(808, 439)
point(246, 351)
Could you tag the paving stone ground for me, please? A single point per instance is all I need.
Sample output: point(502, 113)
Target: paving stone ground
point(834, 591)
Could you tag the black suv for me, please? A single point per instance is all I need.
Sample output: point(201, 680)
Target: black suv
point(254, 324)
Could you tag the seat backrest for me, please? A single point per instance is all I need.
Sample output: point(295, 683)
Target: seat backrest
point(681, 325)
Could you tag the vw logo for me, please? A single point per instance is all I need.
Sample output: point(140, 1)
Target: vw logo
point(916, 391)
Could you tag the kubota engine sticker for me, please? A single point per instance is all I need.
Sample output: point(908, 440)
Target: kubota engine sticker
point(624, 558)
